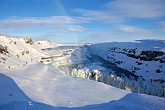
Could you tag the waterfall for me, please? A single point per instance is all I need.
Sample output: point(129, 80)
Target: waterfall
point(77, 65)
point(139, 86)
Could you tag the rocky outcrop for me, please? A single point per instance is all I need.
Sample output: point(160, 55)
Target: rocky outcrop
point(3, 50)
point(28, 41)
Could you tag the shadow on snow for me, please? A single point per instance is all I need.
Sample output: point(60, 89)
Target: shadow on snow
point(15, 99)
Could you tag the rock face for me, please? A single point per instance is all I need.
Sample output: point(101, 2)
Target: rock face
point(3, 50)
point(150, 56)
point(28, 41)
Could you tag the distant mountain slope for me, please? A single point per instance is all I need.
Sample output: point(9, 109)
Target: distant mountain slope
point(145, 58)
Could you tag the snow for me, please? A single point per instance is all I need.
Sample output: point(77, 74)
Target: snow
point(140, 45)
point(46, 87)
point(84, 60)
point(21, 53)
point(114, 52)
point(52, 86)
point(35, 86)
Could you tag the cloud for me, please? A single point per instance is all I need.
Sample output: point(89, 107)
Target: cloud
point(61, 8)
point(136, 31)
point(124, 15)
point(137, 8)
point(120, 18)
point(95, 16)
point(161, 24)
point(117, 11)
point(76, 28)
point(131, 29)
point(65, 22)
point(110, 37)
point(122, 36)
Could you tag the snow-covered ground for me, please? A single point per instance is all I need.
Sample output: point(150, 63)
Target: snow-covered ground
point(134, 66)
point(150, 56)
point(143, 58)
point(35, 86)
point(21, 51)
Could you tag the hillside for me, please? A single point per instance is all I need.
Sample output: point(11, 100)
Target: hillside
point(18, 52)
point(26, 83)
point(134, 66)
point(143, 58)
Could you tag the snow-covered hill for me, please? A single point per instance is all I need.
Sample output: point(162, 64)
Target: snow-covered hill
point(27, 84)
point(134, 66)
point(145, 58)
point(18, 52)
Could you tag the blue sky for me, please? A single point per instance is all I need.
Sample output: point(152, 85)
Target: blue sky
point(75, 21)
